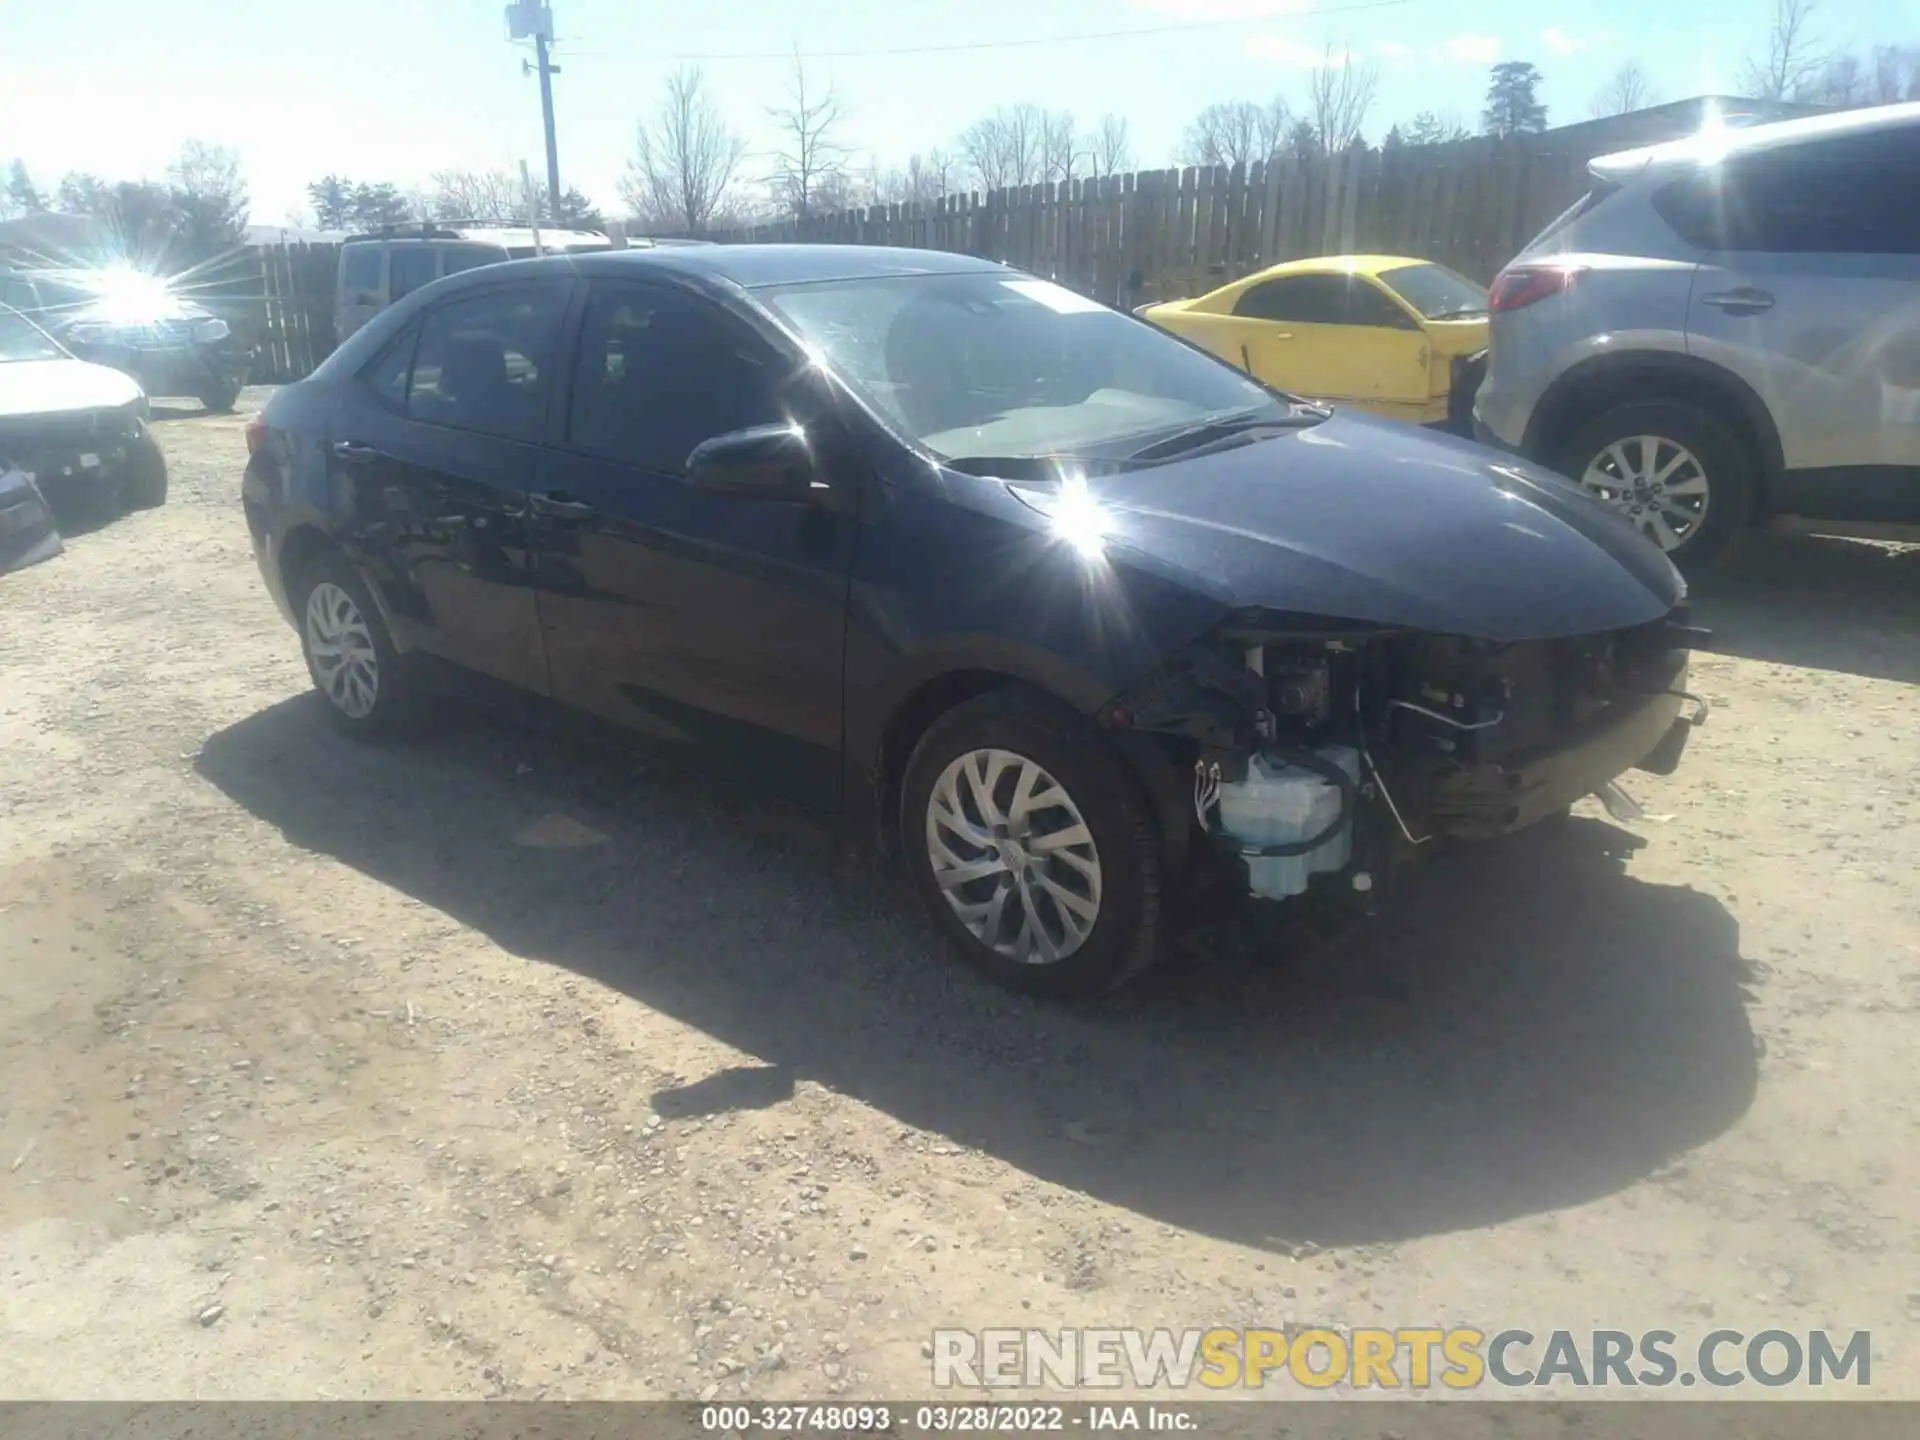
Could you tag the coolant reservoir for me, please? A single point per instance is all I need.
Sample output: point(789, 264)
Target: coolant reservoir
point(1282, 804)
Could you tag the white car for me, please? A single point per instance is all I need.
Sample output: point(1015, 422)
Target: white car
point(80, 430)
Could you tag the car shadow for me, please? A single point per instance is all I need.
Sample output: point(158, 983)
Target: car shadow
point(166, 411)
point(1534, 1027)
point(1819, 602)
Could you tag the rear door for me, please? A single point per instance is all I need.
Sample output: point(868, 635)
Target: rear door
point(711, 625)
point(1811, 293)
point(437, 447)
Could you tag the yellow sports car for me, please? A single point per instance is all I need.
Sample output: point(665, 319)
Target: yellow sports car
point(1398, 337)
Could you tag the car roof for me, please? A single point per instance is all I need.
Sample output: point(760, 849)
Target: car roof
point(751, 266)
point(512, 237)
point(1337, 265)
point(1715, 143)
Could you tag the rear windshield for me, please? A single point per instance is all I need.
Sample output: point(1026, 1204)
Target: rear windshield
point(1437, 292)
point(1600, 191)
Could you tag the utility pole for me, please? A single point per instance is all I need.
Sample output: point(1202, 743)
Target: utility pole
point(533, 19)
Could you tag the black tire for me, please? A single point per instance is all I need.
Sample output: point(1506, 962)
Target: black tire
point(395, 711)
point(1124, 936)
point(220, 398)
point(143, 485)
point(1726, 463)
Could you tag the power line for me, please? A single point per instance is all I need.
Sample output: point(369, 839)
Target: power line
point(1024, 42)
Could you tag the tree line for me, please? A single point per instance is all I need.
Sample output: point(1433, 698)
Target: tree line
point(194, 214)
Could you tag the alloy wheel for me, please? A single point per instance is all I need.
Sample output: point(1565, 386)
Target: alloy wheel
point(341, 648)
point(1657, 483)
point(1013, 856)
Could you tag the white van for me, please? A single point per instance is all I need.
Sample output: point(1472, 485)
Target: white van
point(378, 269)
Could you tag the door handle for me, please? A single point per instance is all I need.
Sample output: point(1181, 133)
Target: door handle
point(1744, 301)
point(558, 505)
point(353, 451)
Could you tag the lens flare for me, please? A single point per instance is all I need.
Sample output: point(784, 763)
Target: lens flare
point(126, 296)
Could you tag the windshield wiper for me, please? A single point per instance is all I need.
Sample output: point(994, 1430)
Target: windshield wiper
point(1223, 424)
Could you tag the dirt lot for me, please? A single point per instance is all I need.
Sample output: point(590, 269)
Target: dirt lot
point(484, 1068)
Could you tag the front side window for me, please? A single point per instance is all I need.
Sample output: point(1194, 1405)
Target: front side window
point(386, 374)
point(1436, 292)
point(409, 267)
point(1302, 299)
point(660, 371)
point(484, 361)
point(996, 364)
point(21, 339)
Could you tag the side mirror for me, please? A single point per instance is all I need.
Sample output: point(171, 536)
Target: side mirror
point(764, 462)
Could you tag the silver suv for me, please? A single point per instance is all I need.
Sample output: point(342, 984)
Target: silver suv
point(1725, 329)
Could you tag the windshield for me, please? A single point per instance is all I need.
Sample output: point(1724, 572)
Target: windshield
point(1001, 364)
point(1437, 292)
point(21, 339)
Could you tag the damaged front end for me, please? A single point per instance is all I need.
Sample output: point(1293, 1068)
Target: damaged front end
point(1325, 749)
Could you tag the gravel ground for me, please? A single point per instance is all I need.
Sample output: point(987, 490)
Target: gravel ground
point(483, 1068)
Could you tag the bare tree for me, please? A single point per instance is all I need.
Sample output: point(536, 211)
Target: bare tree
point(1627, 89)
point(1003, 148)
point(1842, 82)
point(1060, 152)
point(1236, 132)
point(209, 200)
point(811, 161)
point(684, 164)
point(477, 195)
point(1793, 57)
point(1339, 97)
point(1896, 74)
point(1110, 151)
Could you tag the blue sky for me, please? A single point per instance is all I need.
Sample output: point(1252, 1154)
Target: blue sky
point(395, 89)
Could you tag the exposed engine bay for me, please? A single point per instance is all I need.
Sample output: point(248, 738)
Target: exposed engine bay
point(1348, 751)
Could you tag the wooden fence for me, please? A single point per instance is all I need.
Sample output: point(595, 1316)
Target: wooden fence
point(290, 318)
point(1168, 234)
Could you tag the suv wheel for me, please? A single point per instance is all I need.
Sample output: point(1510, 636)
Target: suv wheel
point(367, 684)
point(1032, 846)
point(1674, 470)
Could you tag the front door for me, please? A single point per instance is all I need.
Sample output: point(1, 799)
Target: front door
point(436, 446)
point(1334, 337)
point(712, 625)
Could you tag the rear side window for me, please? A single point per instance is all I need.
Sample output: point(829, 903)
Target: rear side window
point(410, 267)
point(484, 361)
point(467, 257)
point(360, 271)
point(1850, 196)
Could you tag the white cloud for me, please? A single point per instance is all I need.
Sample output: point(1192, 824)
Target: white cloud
point(1391, 48)
point(1559, 42)
point(1481, 49)
point(1294, 54)
point(1202, 11)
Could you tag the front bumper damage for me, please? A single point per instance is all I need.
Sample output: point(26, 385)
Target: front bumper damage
point(1454, 742)
point(74, 452)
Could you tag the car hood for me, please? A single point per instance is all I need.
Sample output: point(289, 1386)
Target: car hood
point(1372, 521)
point(52, 387)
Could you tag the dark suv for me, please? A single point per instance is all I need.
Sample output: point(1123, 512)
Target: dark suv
point(1063, 604)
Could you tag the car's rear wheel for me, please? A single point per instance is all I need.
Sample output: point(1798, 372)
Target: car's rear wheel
point(219, 398)
point(1672, 469)
point(143, 485)
point(367, 685)
point(1033, 847)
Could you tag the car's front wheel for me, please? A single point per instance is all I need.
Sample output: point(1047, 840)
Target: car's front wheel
point(143, 485)
point(367, 685)
point(1033, 847)
point(1672, 469)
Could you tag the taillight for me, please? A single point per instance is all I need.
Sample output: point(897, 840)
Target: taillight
point(1519, 287)
point(256, 435)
